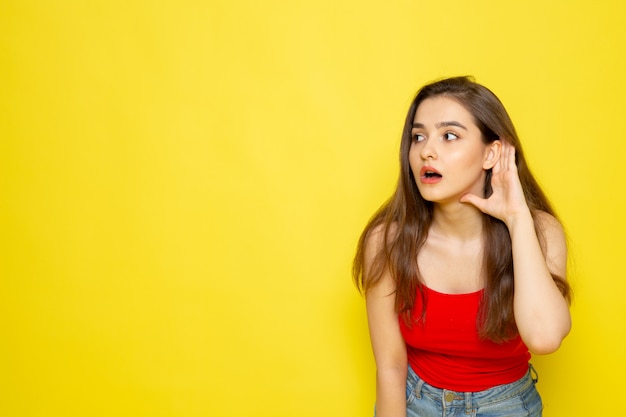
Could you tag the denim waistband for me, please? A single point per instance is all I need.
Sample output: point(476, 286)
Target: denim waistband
point(472, 399)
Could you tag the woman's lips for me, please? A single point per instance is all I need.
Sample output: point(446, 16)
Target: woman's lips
point(429, 175)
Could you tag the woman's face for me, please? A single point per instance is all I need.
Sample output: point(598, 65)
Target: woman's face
point(447, 155)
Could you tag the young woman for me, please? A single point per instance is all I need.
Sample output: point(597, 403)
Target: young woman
point(463, 269)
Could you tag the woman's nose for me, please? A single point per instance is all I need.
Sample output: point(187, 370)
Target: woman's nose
point(428, 150)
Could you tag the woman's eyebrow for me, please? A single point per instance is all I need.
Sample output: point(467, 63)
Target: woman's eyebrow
point(440, 125)
point(451, 123)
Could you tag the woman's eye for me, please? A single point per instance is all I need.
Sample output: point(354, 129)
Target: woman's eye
point(418, 137)
point(450, 136)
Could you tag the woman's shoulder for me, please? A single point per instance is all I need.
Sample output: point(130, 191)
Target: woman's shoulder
point(378, 239)
point(380, 233)
point(552, 241)
point(548, 223)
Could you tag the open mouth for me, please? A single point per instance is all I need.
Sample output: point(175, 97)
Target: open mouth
point(432, 174)
point(429, 175)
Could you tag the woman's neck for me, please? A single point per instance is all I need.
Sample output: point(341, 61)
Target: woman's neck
point(457, 221)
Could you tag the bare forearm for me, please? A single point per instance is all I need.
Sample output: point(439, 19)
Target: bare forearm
point(541, 311)
point(391, 392)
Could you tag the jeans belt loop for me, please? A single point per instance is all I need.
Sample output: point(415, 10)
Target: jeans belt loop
point(468, 403)
point(418, 388)
point(533, 373)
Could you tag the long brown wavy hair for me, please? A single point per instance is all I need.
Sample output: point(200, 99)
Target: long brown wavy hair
point(406, 218)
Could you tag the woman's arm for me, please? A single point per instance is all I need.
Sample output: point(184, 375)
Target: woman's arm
point(387, 341)
point(541, 312)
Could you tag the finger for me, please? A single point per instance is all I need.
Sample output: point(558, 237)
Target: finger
point(498, 166)
point(506, 156)
point(509, 157)
point(512, 158)
point(474, 200)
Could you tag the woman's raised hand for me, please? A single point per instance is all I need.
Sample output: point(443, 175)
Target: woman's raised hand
point(507, 199)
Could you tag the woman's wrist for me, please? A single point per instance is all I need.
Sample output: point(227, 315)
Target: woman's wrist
point(522, 217)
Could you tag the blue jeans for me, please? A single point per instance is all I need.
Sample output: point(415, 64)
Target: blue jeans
point(517, 399)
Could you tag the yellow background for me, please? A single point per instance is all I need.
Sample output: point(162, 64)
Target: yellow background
point(182, 184)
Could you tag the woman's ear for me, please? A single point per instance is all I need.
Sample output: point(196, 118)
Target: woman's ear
point(492, 155)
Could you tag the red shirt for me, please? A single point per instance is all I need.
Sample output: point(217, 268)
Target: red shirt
point(445, 351)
